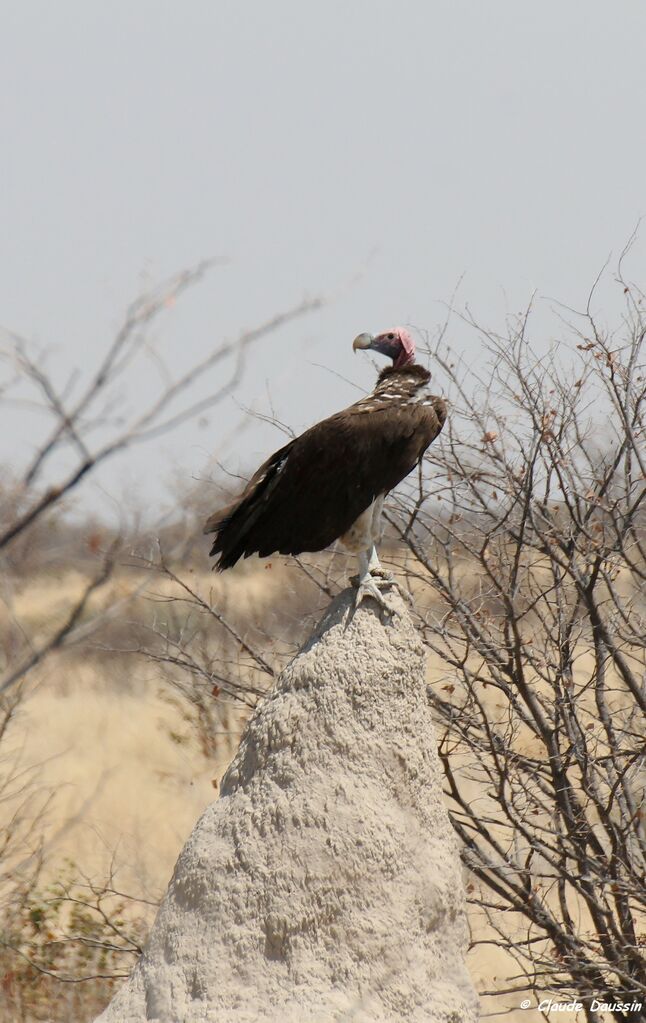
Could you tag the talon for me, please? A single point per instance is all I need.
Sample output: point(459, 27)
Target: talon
point(403, 592)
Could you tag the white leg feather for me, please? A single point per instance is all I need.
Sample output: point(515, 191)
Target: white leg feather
point(377, 527)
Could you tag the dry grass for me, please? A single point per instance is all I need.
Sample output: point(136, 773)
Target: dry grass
point(125, 768)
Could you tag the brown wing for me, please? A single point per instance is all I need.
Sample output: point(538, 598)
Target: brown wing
point(311, 491)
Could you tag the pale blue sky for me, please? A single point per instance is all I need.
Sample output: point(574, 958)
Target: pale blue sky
point(371, 151)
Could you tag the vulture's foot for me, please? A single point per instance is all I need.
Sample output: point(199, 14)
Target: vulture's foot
point(369, 586)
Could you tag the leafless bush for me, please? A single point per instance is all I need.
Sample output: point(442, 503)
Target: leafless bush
point(526, 542)
point(28, 506)
point(37, 540)
point(217, 647)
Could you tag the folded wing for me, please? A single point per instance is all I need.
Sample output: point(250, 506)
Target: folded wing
point(311, 491)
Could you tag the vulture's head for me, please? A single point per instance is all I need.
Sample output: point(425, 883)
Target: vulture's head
point(397, 344)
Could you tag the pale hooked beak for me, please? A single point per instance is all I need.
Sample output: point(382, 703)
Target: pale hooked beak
point(362, 341)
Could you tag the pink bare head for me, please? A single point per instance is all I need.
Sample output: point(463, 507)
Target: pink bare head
point(397, 344)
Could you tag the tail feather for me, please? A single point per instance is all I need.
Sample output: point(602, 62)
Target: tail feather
point(216, 521)
point(233, 523)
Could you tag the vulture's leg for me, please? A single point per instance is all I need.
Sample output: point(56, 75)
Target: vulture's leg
point(377, 522)
point(359, 539)
point(385, 577)
point(375, 532)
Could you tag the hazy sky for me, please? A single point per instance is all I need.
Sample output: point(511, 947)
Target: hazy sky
point(370, 151)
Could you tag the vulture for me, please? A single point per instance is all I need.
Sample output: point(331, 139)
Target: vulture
point(330, 483)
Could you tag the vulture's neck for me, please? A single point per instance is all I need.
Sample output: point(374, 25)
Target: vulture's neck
point(406, 386)
point(414, 375)
point(403, 384)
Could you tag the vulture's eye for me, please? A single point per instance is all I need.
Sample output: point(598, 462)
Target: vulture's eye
point(391, 337)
